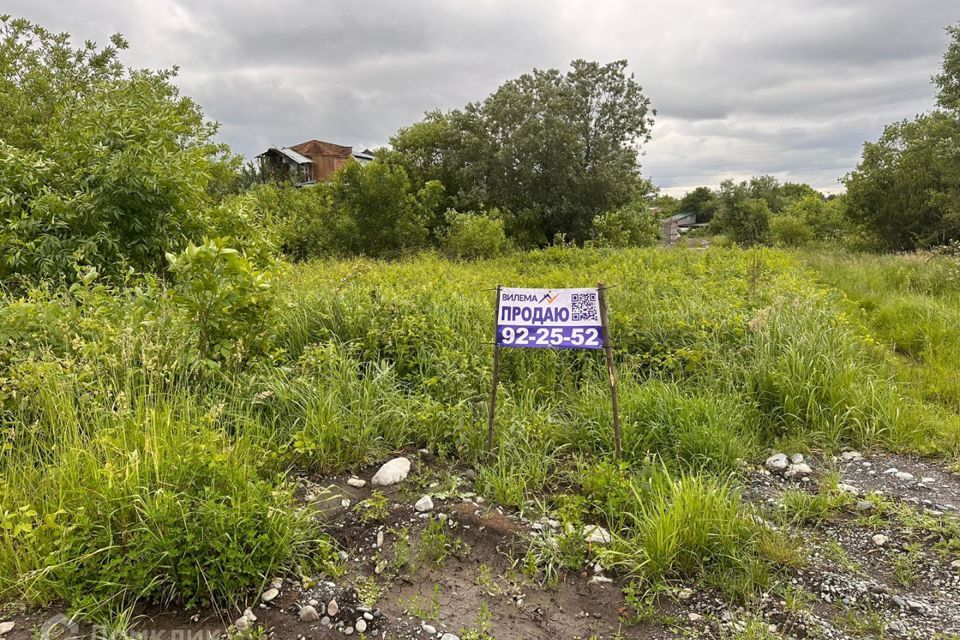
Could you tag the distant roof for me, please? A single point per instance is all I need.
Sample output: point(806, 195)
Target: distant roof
point(677, 217)
point(321, 148)
point(366, 154)
point(289, 153)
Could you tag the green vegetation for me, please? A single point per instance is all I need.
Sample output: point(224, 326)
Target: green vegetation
point(105, 389)
point(172, 350)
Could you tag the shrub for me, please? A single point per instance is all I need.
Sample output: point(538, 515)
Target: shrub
point(632, 225)
point(225, 296)
point(746, 221)
point(788, 231)
point(471, 236)
point(98, 166)
point(304, 219)
point(379, 212)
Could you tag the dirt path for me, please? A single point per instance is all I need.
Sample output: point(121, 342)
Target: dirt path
point(882, 560)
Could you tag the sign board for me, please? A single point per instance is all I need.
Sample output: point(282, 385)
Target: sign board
point(549, 318)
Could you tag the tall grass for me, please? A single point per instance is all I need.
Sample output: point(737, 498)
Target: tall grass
point(122, 443)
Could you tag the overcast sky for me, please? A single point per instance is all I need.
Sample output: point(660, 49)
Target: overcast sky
point(741, 87)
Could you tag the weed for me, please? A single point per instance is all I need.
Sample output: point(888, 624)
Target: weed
point(369, 591)
point(906, 566)
point(436, 545)
point(487, 581)
point(862, 622)
point(375, 508)
point(401, 548)
point(482, 624)
point(426, 611)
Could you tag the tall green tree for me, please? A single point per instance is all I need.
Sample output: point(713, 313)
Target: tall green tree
point(555, 149)
point(948, 80)
point(703, 201)
point(906, 189)
point(905, 192)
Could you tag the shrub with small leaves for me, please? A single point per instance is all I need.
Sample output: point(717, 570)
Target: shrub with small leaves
point(228, 299)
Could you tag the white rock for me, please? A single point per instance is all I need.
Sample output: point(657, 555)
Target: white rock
point(391, 472)
point(796, 458)
point(277, 583)
point(848, 488)
point(357, 482)
point(348, 631)
point(801, 470)
point(270, 594)
point(891, 471)
point(309, 614)
point(880, 539)
point(345, 503)
point(333, 608)
point(241, 623)
point(600, 580)
point(694, 617)
point(361, 625)
point(777, 463)
point(928, 480)
point(851, 456)
point(903, 475)
point(685, 594)
point(424, 504)
point(596, 534)
point(429, 629)
point(249, 614)
point(955, 564)
point(449, 636)
point(6, 626)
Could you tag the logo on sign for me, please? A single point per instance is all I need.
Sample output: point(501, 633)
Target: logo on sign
point(549, 319)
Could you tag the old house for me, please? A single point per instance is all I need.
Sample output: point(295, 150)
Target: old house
point(309, 162)
point(678, 224)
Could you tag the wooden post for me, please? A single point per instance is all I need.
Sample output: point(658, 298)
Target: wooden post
point(496, 372)
point(611, 367)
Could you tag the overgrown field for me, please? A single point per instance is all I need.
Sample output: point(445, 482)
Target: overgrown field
point(143, 461)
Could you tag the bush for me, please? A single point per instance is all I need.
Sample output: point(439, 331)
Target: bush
point(376, 211)
point(745, 221)
point(471, 236)
point(98, 166)
point(788, 231)
point(304, 219)
point(632, 225)
point(225, 296)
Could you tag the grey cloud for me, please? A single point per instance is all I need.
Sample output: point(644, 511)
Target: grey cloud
point(790, 88)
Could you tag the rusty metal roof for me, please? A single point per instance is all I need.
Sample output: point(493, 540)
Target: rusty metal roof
point(321, 148)
point(289, 153)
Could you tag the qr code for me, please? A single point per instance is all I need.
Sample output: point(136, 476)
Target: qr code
point(584, 307)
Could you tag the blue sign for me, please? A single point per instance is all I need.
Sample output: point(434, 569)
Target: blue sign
point(549, 319)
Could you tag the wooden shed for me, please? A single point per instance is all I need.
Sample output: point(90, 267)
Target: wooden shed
point(310, 161)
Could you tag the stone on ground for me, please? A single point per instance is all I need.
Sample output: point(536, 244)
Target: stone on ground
point(596, 534)
point(777, 463)
point(424, 504)
point(391, 472)
point(309, 614)
point(270, 594)
point(356, 482)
